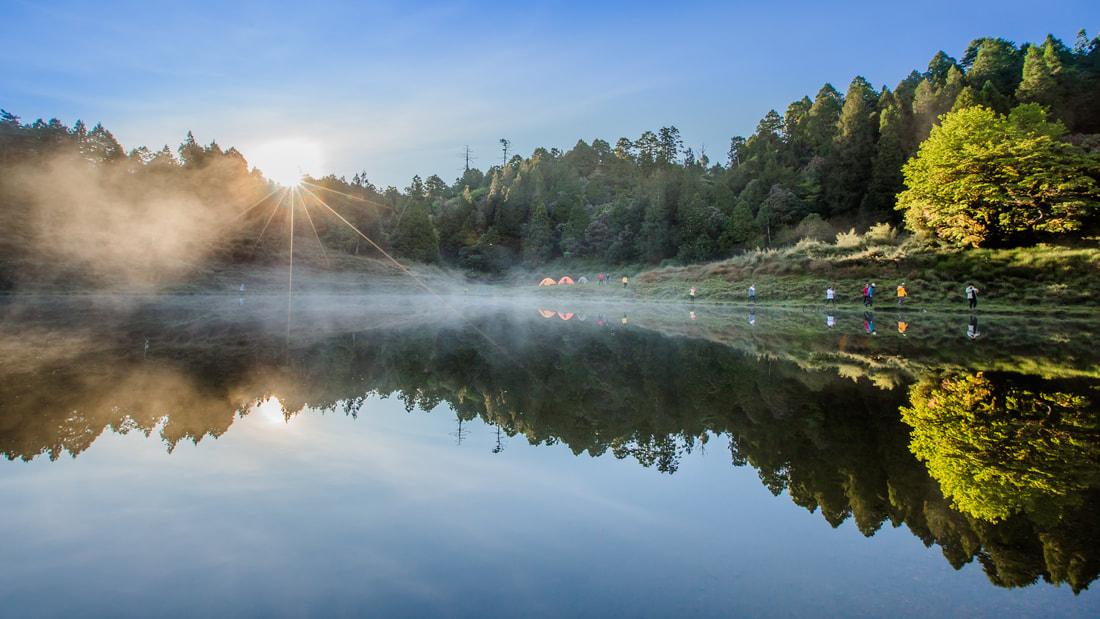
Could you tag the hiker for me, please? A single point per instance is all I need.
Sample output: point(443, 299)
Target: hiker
point(972, 328)
point(752, 292)
point(865, 287)
point(871, 295)
point(830, 296)
point(692, 295)
point(972, 295)
point(600, 276)
point(624, 281)
point(902, 293)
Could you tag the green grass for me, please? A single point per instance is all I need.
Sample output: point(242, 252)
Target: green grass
point(1041, 278)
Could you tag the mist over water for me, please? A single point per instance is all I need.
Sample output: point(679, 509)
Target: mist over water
point(593, 423)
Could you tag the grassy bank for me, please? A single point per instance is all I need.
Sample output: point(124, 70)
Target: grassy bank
point(1040, 278)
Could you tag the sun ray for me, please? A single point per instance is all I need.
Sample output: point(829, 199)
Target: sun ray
point(256, 203)
point(274, 210)
point(290, 280)
point(347, 195)
point(420, 282)
point(305, 209)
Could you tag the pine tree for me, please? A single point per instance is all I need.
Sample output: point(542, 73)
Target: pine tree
point(853, 148)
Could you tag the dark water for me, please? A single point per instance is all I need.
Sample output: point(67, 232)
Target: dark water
point(216, 456)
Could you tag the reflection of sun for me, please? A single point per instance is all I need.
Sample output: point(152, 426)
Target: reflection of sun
point(287, 160)
point(271, 411)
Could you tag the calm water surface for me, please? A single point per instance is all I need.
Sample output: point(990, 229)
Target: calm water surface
point(214, 457)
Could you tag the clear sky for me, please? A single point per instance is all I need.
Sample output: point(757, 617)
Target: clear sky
point(401, 88)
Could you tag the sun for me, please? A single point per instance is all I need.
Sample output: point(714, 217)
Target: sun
point(285, 161)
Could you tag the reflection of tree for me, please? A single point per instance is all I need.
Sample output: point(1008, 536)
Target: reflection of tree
point(831, 443)
point(999, 448)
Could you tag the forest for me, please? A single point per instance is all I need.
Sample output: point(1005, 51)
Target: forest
point(998, 148)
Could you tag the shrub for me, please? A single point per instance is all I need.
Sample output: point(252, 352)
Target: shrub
point(849, 240)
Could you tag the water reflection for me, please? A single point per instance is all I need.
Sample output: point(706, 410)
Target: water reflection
point(988, 450)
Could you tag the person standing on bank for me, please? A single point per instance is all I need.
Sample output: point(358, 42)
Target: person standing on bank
point(752, 292)
point(871, 295)
point(972, 295)
point(624, 281)
point(902, 293)
point(830, 296)
point(692, 294)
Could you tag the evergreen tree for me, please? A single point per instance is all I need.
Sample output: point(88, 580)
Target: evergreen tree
point(853, 148)
point(537, 244)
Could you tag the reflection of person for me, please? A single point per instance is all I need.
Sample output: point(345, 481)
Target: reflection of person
point(902, 324)
point(692, 294)
point(752, 292)
point(830, 321)
point(830, 296)
point(902, 293)
point(693, 314)
point(972, 295)
point(752, 317)
point(972, 328)
point(869, 322)
point(624, 319)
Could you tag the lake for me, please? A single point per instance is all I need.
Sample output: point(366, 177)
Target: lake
point(471, 456)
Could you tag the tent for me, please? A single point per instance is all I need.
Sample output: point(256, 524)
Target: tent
point(565, 316)
point(582, 280)
point(546, 281)
point(565, 280)
point(548, 313)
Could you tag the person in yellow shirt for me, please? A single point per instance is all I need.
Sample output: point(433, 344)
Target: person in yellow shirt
point(624, 281)
point(902, 293)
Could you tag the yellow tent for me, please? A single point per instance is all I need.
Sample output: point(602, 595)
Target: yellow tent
point(565, 280)
point(547, 282)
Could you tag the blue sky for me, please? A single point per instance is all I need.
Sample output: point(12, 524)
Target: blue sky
point(400, 88)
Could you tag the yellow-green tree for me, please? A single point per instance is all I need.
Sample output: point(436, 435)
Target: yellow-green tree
point(983, 178)
point(999, 448)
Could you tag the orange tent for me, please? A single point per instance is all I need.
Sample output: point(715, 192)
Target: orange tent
point(565, 280)
point(546, 281)
point(547, 313)
point(565, 316)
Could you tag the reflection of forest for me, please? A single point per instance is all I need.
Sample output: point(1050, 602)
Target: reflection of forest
point(834, 443)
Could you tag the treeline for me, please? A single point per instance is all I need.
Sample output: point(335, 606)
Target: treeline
point(824, 165)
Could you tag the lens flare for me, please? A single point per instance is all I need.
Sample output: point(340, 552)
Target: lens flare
point(286, 161)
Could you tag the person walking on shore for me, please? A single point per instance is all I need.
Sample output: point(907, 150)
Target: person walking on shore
point(752, 292)
point(972, 295)
point(865, 287)
point(871, 295)
point(830, 296)
point(692, 295)
point(902, 293)
point(624, 281)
